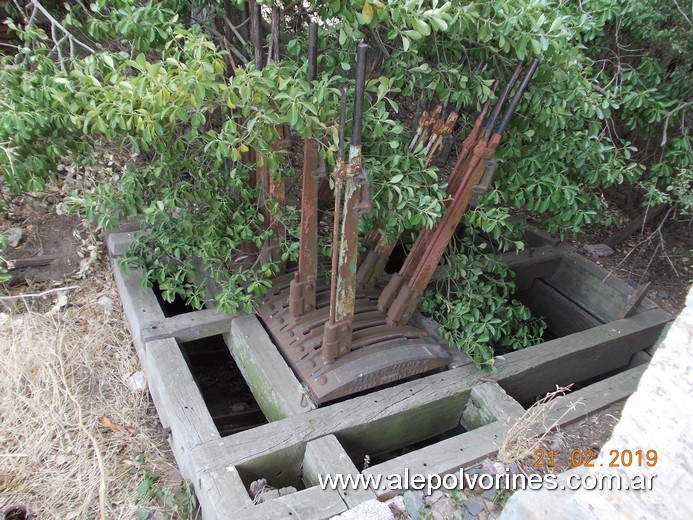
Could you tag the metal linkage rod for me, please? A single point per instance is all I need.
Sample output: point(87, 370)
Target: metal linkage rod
point(272, 188)
point(409, 295)
point(421, 246)
point(373, 265)
point(338, 334)
point(303, 287)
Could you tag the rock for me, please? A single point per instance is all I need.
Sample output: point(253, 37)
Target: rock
point(474, 506)
point(14, 235)
point(662, 295)
point(397, 505)
point(174, 477)
point(513, 468)
point(433, 498)
point(105, 302)
point(137, 382)
point(257, 486)
point(446, 509)
point(368, 510)
point(489, 494)
point(472, 471)
point(155, 514)
point(598, 250)
point(413, 502)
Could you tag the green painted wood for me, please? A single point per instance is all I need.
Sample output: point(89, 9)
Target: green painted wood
point(326, 456)
point(579, 357)
point(275, 387)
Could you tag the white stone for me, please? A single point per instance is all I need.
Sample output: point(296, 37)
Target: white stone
point(368, 510)
point(137, 382)
point(14, 235)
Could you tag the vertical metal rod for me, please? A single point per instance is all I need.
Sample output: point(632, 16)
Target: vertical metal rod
point(336, 236)
point(338, 333)
point(303, 287)
point(409, 295)
point(346, 283)
point(501, 100)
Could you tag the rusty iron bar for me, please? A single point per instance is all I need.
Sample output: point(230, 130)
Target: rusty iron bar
point(408, 297)
point(273, 188)
point(337, 339)
point(339, 171)
point(421, 245)
point(443, 129)
point(303, 287)
point(373, 265)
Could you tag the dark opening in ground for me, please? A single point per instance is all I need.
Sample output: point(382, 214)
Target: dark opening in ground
point(226, 394)
point(174, 308)
point(362, 462)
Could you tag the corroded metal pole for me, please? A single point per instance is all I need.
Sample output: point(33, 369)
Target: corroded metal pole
point(303, 286)
point(337, 338)
point(409, 295)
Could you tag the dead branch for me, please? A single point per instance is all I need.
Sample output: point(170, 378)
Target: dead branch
point(669, 114)
point(56, 24)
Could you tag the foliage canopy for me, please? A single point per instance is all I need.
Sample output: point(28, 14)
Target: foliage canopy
point(168, 82)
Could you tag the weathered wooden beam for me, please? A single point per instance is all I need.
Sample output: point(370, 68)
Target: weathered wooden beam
point(593, 288)
point(533, 263)
point(577, 405)
point(371, 424)
point(139, 304)
point(562, 316)
point(178, 400)
point(578, 357)
point(488, 403)
point(220, 492)
point(307, 504)
point(444, 457)
point(118, 243)
point(463, 451)
point(326, 456)
point(189, 326)
point(275, 387)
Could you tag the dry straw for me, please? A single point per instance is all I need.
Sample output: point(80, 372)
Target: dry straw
point(60, 376)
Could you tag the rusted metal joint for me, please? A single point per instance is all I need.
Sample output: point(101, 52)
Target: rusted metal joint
point(390, 292)
point(490, 166)
point(336, 340)
point(301, 296)
point(404, 306)
point(364, 193)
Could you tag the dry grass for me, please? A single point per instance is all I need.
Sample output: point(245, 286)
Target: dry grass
point(529, 431)
point(75, 440)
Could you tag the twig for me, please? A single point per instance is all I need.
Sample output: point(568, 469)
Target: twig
point(44, 293)
point(682, 12)
point(92, 440)
point(228, 45)
point(57, 24)
point(669, 114)
point(234, 30)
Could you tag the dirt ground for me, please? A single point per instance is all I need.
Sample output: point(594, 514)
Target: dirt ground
point(101, 452)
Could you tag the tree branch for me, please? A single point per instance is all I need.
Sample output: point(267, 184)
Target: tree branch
point(56, 23)
point(666, 121)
